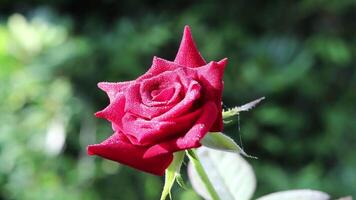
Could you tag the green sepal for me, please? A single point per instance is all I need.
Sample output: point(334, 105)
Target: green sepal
point(172, 172)
point(180, 181)
point(229, 113)
point(220, 141)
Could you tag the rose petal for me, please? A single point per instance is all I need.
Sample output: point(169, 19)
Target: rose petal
point(158, 66)
point(163, 95)
point(134, 101)
point(188, 54)
point(192, 138)
point(134, 104)
point(150, 132)
point(192, 94)
point(212, 74)
point(161, 90)
point(114, 111)
point(113, 88)
point(116, 149)
point(211, 79)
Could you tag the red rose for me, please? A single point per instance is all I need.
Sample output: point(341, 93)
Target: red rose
point(170, 108)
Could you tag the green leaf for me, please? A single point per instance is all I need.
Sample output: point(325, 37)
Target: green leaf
point(172, 172)
point(220, 141)
point(232, 177)
point(304, 194)
point(236, 110)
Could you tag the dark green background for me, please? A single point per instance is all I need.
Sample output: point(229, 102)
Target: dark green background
point(299, 54)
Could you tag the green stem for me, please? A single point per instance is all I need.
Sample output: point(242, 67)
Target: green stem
point(201, 172)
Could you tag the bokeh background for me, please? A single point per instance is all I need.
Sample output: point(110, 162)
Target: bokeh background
point(299, 54)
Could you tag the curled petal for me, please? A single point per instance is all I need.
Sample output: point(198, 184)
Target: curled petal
point(192, 138)
point(114, 111)
point(134, 104)
point(188, 54)
point(211, 79)
point(163, 90)
point(192, 95)
point(117, 149)
point(212, 74)
point(136, 96)
point(149, 132)
point(112, 89)
point(158, 66)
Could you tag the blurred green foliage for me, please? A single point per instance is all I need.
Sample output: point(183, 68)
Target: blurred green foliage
point(299, 54)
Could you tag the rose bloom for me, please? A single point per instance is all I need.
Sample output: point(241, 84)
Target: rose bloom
point(170, 108)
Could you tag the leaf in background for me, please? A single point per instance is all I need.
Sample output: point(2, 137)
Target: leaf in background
point(172, 172)
point(232, 177)
point(345, 198)
point(304, 194)
point(220, 141)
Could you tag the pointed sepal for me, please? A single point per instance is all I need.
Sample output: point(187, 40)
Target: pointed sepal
point(172, 174)
point(222, 142)
point(227, 114)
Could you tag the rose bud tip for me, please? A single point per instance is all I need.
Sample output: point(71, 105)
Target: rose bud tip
point(90, 149)
point(188, 54)
point(187, 28)
point(102, 85)
point(223, 61)
point(100, 114)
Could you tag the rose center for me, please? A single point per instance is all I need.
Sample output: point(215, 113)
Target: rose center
point(163, 90)
point(162, 94)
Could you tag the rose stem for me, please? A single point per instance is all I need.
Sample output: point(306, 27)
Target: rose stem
point(201, 172)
